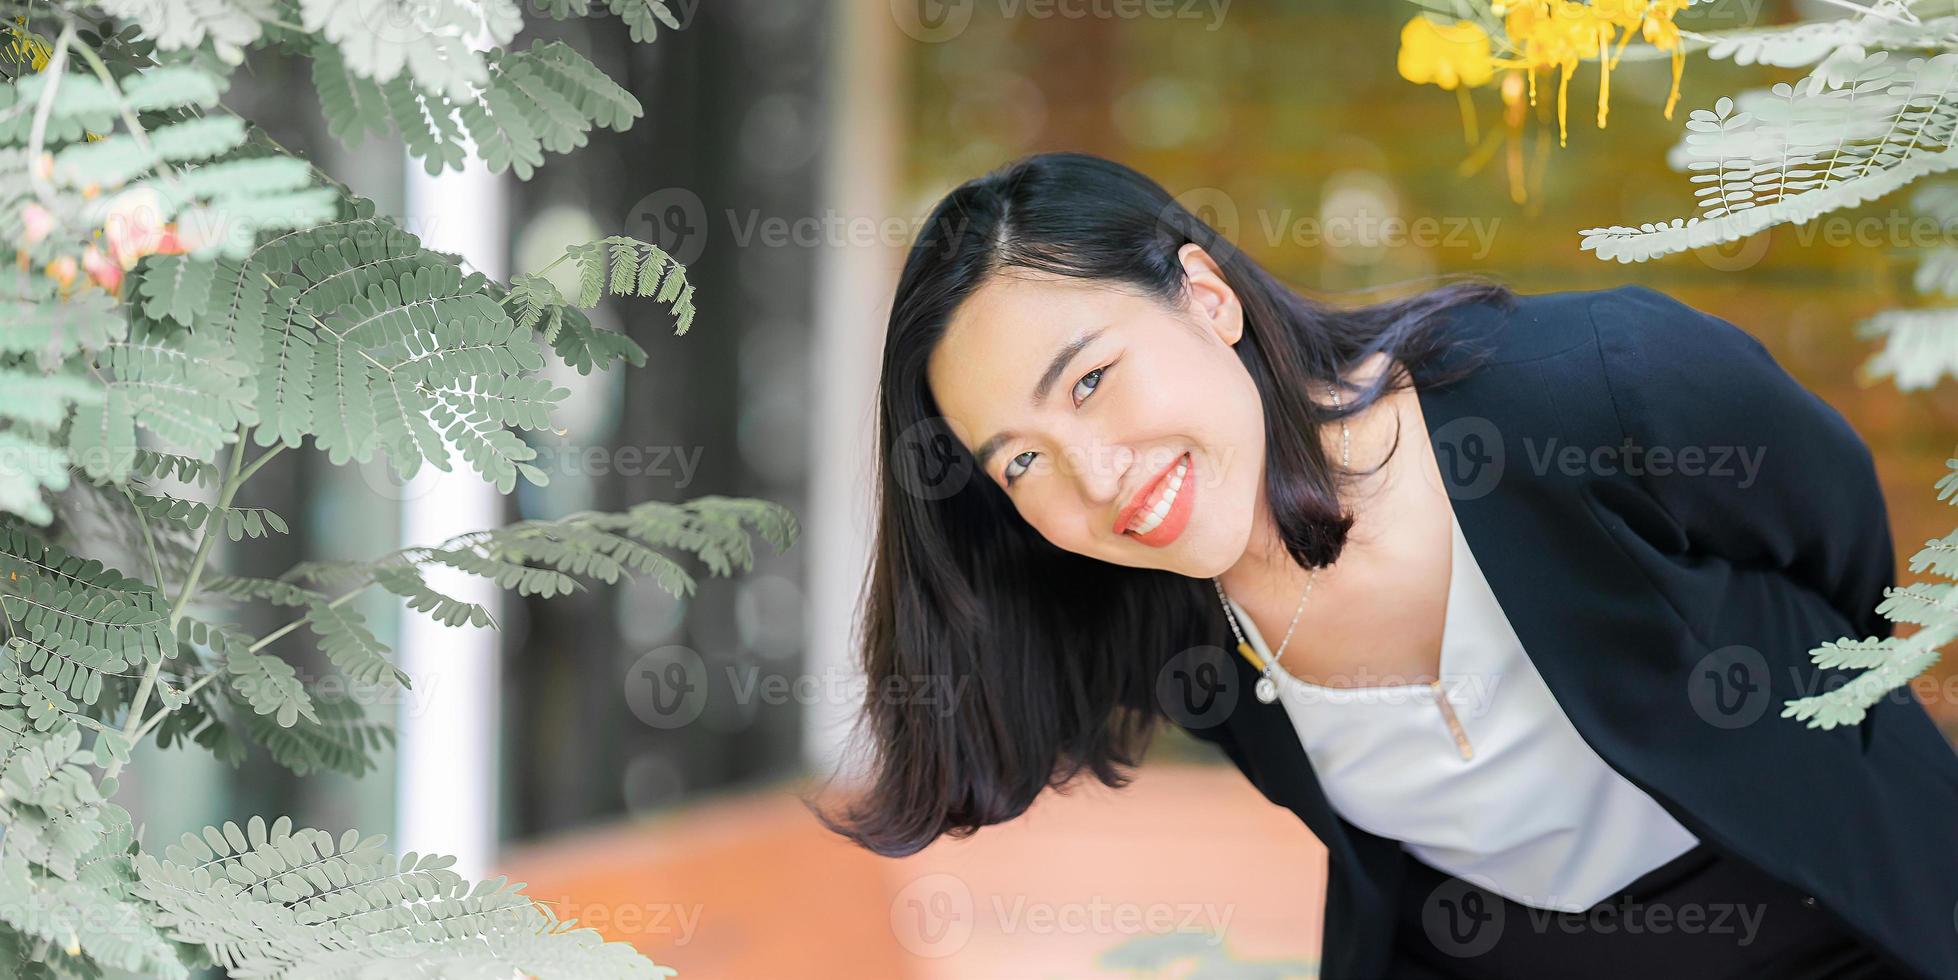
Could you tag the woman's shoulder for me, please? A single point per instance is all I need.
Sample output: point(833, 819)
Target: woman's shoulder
point(1632, 327)
point(1634, 319)
point(1522, 326)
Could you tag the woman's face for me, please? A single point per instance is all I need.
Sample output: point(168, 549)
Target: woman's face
point(1136, 397)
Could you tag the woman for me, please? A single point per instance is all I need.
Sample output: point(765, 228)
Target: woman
point(1521, 692)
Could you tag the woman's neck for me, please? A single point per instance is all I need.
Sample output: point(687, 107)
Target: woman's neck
point(1267, 576)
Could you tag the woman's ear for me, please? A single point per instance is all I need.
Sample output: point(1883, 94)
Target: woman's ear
point(1212, 300)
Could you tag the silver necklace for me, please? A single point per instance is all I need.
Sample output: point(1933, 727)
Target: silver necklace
point(1267, 686)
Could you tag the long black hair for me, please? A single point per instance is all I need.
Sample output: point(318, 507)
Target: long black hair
point(1053, 656)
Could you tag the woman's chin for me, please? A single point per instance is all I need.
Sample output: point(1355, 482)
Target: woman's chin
point(1200, 553)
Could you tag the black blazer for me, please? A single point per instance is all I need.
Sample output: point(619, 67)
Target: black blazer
point(1670, 614)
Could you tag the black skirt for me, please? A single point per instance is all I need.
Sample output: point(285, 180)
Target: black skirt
point(1703, 915)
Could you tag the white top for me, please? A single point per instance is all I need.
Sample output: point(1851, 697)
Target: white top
point(1534, 814)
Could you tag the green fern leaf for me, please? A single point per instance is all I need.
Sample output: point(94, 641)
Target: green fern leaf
point(345, 426)
point(70, 667)
point(53, 331)
point(270, 686)
point(643, 17)
point(354, 105)
point(347, 642)
point(230, 25)
point(344, 740)
point(586, 347)
point(176, 287)
point(57, 596)
point(406, 581)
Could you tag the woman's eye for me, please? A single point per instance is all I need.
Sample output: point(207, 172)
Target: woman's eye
point(1011, 475)
point(1096, 376)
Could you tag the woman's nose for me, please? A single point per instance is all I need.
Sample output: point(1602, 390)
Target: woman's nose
point(1102, 475)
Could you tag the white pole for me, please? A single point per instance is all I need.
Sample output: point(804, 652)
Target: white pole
point(853, 296)
point(447, 758)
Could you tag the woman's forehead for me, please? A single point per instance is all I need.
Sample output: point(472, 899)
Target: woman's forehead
point(1017, 320)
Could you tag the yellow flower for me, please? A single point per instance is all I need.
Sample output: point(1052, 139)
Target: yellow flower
point(1447, 55)
point(23, 47)
point(62, 270)
point(1561, 33)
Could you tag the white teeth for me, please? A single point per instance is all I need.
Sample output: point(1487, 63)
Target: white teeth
point(1149, 519)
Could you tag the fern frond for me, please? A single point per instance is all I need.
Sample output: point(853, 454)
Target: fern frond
point(351, 646)
point(1918, 346)
point(1802, 150)
point(65, 875)
point(547, 558)
point(407, 581)
point(524, 103)
point(152, 465)
point(67, 666)
point(1922, 603)
point(235, 523)
point(185, 388)
point(244, 588)
point(57, 597)
point(31, 703)
point(51, 332)
point(643, 17)
point(266, 683)
point(527, 581)
point(293, 904)
point(177, 287)
point(619, 265)
point(536, 303)
point(270, 686)
point(1807, 42)
point(193, 170)
point(714, 527)
point(344, 739)
point(231, 26)
point(383, 40)
point(1892, 662)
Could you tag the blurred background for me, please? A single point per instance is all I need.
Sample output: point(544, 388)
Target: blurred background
point(789, 150)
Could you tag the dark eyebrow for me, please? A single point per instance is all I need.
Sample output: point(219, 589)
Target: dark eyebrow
point(1057, 364)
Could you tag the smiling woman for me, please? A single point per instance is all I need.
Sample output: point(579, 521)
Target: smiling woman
point(1091, 401)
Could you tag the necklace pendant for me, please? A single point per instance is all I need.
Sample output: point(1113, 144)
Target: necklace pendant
point(1266, 691)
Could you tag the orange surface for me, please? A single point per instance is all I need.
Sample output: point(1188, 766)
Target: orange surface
point(752, 887)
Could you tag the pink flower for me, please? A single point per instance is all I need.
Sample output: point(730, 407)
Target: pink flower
point(38, 222)
point(133, 224)
point(105, 273)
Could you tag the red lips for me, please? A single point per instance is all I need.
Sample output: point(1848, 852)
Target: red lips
point(1179, 509)
point(1142, 496)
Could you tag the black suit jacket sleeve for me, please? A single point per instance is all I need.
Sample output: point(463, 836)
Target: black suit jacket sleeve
point(1692, 382)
